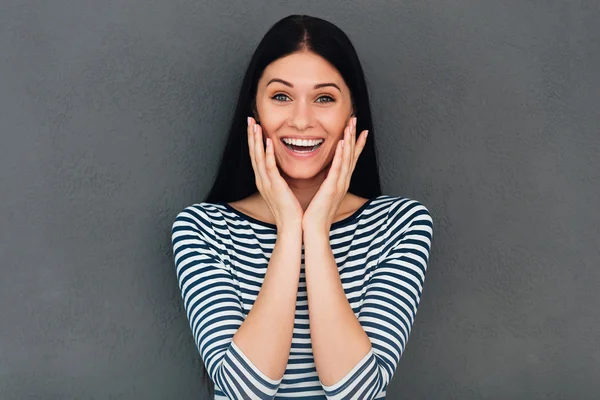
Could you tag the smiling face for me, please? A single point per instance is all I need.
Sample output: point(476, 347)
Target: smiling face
point(302, 96)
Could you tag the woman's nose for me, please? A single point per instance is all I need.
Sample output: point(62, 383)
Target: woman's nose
point(302, 117)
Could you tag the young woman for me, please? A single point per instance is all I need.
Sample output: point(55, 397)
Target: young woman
point(298, 277)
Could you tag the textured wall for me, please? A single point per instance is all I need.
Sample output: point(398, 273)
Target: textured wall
point(112, 118)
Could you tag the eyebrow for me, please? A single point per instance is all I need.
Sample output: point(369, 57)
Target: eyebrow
point(317, 86)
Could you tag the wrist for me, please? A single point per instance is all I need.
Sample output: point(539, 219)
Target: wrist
point(315, 232)
point(289, 229)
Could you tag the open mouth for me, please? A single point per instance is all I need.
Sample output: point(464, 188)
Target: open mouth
point(302, 146)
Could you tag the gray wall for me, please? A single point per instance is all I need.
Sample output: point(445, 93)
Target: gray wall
point(112, 118)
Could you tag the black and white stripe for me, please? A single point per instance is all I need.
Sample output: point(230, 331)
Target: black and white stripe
point(221, 256)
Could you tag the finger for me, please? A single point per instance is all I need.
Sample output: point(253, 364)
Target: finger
point(251, 136)
point(259, 154)
point(353, 134)
point(346, 158)
point(353, 149)
point(360, 144)
point(352, 155)
point(334, 169)
point(270, 163)
point(251, 140)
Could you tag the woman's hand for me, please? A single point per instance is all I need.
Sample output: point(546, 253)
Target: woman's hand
point(324, 206)
point(280, 199)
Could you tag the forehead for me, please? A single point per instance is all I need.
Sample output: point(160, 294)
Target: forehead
point(303, 69)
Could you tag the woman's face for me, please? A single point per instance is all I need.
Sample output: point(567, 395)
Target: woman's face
point(302, 96)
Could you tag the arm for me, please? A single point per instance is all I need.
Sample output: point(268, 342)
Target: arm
point(356, 358)
point(243, 357)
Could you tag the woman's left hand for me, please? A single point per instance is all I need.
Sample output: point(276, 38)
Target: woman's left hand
point(324, 206)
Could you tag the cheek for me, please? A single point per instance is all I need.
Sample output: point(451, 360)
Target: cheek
point(334, 124)
point(269, 129)
point(332, 115)
point(272, 118)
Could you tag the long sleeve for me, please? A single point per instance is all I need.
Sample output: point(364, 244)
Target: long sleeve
point(213, 307)
point(391, 299)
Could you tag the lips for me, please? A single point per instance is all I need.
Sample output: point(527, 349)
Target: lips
point(302, 151)
point(299, 148)
point(303, 137)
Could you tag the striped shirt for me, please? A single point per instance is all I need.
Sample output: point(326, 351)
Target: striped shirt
point(221, 256)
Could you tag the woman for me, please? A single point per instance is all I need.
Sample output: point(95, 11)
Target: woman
point(298, 277)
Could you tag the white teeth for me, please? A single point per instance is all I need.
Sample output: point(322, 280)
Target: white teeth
point(302, 142)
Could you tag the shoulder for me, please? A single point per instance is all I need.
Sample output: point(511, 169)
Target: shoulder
point(198, 216)
point(196, 229)
point(403, 212)
point(408, 229)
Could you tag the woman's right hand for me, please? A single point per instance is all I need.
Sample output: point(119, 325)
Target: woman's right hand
point(280, 199)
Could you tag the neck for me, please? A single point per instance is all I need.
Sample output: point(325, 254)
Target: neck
point(306, 189)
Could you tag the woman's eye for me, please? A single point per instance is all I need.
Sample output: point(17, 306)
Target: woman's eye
point(329, 99)
point(280, 97)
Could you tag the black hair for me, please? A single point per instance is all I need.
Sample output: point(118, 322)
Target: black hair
point(235, 177)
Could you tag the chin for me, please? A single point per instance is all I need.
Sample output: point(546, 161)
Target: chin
point(299, 172)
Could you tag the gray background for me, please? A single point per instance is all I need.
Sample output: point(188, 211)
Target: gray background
point(113, 115)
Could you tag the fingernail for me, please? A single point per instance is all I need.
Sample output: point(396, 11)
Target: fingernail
point(354, 123)
point(268, 142)
point(248, 121)
point(255, 129)
point(366, 134)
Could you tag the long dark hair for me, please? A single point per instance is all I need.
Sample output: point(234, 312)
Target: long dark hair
point(235, 178)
